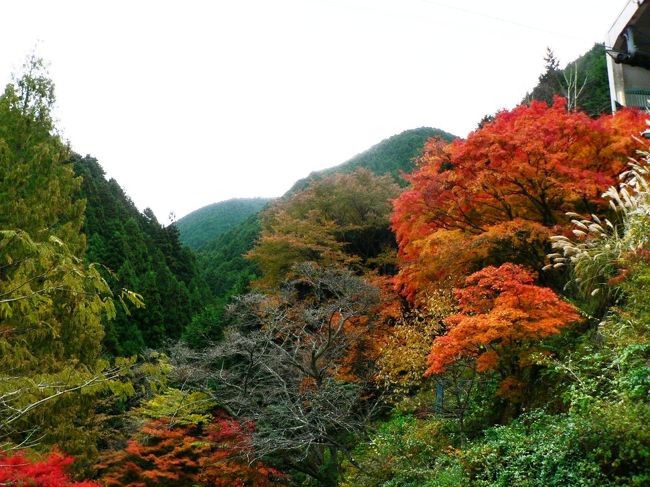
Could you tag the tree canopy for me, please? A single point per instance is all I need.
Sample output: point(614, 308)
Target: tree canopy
point(342, 219)
point(504, 186)
point(138, 253)
point(51, 302)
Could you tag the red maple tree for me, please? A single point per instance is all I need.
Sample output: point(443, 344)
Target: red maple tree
point(168, 454)
point(532, 164)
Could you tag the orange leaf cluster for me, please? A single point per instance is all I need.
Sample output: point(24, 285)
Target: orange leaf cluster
point(368, 337)
point(532, 164)
point(501, 314)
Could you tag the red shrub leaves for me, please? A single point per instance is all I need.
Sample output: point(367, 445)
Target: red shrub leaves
point(20, 470)
point(167, 454)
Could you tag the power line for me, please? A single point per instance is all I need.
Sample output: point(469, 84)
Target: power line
point(505, 21)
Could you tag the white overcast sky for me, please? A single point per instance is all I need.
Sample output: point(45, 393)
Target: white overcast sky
point(187, 103)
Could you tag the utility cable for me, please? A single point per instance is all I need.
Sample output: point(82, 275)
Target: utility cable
point(505, 21)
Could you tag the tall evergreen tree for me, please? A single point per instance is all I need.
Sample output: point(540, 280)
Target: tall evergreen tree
point(36, 183)
point(51, 303)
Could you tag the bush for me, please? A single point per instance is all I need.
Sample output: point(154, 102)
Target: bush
point(608, 446)
point(402, 452)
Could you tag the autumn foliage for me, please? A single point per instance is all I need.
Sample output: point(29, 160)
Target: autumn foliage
point(168, 454)
point(19, 469)
point(402, 361)
point(517, 175)
point(502, 315)
point(226, 467)
point(340, 220)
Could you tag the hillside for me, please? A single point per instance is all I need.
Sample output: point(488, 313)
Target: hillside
point(206, 224)
point(221, 261)
point(142, 256)
point(393, 155)
point(590, 71)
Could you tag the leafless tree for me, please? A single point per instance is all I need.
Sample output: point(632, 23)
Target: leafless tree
point(572, 86)
point(279, 366)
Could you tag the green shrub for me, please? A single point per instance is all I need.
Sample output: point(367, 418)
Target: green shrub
point(608, 446)
point(402, 452)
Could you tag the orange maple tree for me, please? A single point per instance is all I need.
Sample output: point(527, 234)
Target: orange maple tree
point(502, 316)
point(532, 164)
point(168, 454)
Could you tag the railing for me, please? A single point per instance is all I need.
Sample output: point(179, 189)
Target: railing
point(637, 98)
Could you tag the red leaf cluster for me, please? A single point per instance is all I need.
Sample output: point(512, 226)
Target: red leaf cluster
point(20, 470)
point(167, 454)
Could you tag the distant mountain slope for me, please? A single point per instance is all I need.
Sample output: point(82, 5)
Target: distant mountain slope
point(393, 155)
point(221, 261)
point(206, 224)
point(143, 256)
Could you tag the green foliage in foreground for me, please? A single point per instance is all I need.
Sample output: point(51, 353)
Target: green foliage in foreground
point(403, 452)
point(52, 303)
point(603, 440)
point(606, 446)
point(204, 225)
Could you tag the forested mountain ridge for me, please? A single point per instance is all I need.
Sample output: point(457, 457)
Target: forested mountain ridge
point(394, 155)
point(222, 262)
point(204, 225)
point(138, 254)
